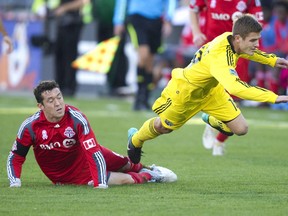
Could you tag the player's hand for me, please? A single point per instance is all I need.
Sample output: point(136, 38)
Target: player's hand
point(16, 183)
point(281, 63)
point(282, 99)
point(199, 39)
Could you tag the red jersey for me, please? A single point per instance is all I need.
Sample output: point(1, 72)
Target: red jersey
point(221, 13)
point(67, 151)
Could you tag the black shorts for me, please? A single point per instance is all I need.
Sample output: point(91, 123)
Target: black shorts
point(143, 31)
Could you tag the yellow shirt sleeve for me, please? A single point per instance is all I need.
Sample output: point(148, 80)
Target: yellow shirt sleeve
point(228, 78)
point(262, 57)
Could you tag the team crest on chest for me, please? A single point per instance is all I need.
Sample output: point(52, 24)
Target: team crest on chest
point(69, 132)
point(241, 6)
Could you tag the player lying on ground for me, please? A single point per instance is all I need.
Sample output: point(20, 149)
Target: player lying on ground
point(66, 149)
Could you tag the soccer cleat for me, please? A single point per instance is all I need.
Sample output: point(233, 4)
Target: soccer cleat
point(218, 149)
point(134, 153)
point(219, 127)
point(167, 174)
point(156, 176)
point(160, 174)
point(208, 137)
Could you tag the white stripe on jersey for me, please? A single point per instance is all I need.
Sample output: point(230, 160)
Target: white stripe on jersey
point(101, 165)
point(81, 118)
point(26, 122)
point(10, 172)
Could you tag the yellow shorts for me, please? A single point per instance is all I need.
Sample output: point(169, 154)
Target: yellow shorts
point(181, 100)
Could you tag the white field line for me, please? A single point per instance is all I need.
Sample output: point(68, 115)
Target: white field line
point(123, 114)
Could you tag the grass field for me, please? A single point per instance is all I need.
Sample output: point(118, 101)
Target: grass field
point(251, 179)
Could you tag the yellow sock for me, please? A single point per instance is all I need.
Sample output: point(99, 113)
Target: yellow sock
point(217, 124)
point(146, 132)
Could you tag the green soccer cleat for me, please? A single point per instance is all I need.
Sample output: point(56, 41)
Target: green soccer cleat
point(219, 127)
point(133, 153)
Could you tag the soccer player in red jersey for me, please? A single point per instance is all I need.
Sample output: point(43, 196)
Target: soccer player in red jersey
point(66, 149)
point(219, 19)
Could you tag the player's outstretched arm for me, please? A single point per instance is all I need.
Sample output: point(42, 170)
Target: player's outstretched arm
point(282, 99)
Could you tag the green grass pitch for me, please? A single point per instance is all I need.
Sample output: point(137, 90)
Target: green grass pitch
point(251, 179)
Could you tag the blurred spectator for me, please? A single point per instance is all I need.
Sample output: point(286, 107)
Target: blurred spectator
point(281, 31)
point(263, 75)
point(281, 27)
point(6, 39)
point(274, 38)
point(103, 11)
point(69, 25)
point(146, 20)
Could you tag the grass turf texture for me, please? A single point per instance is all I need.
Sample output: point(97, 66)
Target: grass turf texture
point(251, 179)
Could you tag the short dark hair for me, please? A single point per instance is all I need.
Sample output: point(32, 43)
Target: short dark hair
point(245, 25)
point(43, 86)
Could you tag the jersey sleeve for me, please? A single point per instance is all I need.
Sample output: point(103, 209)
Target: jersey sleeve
point(170, 10)
point(119, 12)
point(17, 155)
point(90, 146)
point(229, 79)
point(262, 57)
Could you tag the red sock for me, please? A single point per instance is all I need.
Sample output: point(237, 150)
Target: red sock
point(140, 178)
point(135, 167)
point(221, 137)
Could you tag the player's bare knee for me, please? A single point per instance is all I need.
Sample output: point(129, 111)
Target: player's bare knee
point(128, 180)
point(242, 130)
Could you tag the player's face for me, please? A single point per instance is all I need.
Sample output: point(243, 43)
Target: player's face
point(53, 105)
point(249, 44)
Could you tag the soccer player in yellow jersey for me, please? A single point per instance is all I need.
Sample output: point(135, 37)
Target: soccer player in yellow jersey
point(206, 84)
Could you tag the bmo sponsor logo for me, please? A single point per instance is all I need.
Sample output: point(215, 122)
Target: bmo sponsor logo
point(226, 17)
point(217, 16)
point(90, 143)
point(67, 143)
point(50, 146)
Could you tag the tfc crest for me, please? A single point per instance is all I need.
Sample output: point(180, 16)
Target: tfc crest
point(69, 132)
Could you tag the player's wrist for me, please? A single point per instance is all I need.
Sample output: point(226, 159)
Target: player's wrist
point(101, 186)
point(15, 183)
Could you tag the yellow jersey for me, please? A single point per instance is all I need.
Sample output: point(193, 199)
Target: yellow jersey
point(214, 64)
